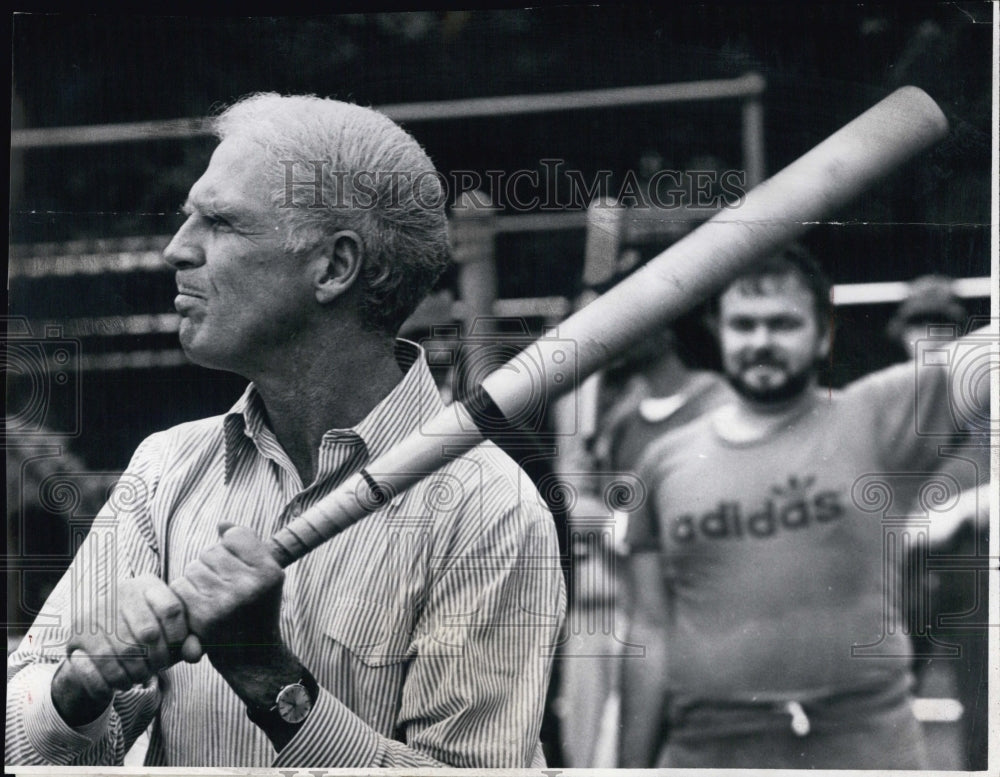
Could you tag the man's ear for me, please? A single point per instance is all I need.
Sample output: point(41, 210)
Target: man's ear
point(338, 265)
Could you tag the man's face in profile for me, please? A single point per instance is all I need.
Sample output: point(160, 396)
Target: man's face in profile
point(769, 337)
point(240, 295)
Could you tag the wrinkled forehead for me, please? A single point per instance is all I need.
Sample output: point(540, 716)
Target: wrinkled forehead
point(767, 294)
point(237, 173)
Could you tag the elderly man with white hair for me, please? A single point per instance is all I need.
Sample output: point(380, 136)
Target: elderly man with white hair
point(419, 637)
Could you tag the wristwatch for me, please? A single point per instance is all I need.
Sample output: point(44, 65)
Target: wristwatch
point(291, 708)
point(293, 703)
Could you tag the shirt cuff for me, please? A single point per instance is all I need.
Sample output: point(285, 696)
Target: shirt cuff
point(333, 736)
point(96, 729)
point(50, 735)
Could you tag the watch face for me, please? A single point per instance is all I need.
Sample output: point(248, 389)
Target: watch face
point(294, 703)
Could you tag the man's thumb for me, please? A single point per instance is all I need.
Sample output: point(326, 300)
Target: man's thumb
point(191, 650)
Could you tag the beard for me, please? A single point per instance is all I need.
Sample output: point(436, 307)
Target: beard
point(794, 384)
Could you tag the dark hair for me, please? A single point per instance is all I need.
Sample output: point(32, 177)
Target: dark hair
point(792, 260)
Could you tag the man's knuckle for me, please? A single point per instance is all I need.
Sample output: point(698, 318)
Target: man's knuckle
point(132, 653)
point(181, 587)
point(196, 570)
point(238, 533)
point(173, 610)
point(208, 554)
point(148, 634)
point(144, 581)
point(109, 669)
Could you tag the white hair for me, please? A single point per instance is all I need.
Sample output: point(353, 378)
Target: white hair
point(341, 166)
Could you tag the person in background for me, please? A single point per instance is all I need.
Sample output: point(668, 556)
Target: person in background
point(930, 302)
point(659, 394)
point(757, 568)
point(933, 313)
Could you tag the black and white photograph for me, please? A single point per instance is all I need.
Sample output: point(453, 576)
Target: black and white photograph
point(572, 387)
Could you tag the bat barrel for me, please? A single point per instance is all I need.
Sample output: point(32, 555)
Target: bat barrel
point(772, 215)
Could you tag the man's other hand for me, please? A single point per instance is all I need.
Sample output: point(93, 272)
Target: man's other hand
point(106, 654)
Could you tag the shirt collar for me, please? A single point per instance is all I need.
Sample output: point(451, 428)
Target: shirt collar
point(414, 400)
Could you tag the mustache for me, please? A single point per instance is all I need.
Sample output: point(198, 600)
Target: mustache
point(761, 358)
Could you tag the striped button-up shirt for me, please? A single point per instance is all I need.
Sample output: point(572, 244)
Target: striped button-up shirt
point(429, 624)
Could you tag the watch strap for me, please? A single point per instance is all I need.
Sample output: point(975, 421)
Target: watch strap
point(278, 730)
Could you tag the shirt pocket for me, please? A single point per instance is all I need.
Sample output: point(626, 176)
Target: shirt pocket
point(373, 633)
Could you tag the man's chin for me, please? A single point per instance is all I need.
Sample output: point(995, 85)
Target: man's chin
point(768, 393)
point(196, 354)
point(199, 353)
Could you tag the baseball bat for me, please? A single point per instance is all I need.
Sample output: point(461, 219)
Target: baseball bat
point(772, 215)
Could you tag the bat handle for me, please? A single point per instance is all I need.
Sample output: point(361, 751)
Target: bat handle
point(452, 431)
point(355, 498)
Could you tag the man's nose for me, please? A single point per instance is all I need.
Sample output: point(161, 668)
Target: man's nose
point(184, 250)
point(760, 337)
